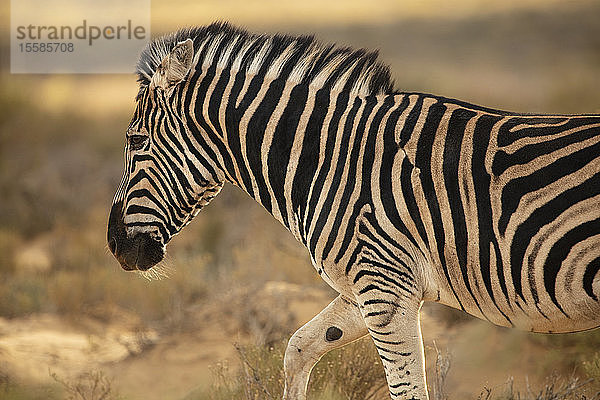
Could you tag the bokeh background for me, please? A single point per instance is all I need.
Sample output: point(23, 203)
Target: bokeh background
point(71, 321)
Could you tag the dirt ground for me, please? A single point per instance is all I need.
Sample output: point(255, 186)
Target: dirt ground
point(146, 364)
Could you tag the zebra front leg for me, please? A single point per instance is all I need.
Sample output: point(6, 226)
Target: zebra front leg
point(395, 329)
point(338, 324)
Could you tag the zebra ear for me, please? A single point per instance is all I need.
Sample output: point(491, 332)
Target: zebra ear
point(175, 66)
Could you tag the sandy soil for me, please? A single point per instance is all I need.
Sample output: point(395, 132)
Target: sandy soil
point(147, 365)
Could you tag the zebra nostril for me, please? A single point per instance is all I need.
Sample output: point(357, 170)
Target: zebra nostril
point(112, 245)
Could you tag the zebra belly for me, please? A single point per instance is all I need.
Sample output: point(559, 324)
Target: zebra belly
point(554, 289)
point(560, 285)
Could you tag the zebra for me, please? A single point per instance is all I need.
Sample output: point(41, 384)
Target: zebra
point(399, 197)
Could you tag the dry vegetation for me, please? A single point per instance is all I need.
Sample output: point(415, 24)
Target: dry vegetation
point(353, 373)
point(61, 159)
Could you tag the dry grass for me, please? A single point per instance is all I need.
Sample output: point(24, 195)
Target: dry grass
point(353, 372)
point(11, 389)
point(555, 388)
point(92, 385)
point(442, 367)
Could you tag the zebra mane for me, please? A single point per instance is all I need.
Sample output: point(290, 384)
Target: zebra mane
point(301, 59)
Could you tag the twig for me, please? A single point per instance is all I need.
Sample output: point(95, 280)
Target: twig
point(442, 366)
point(255, 374)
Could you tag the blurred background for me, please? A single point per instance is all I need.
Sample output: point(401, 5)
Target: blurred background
point(72, 322)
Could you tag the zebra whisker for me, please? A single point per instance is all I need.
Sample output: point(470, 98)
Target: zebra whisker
point(158, 272)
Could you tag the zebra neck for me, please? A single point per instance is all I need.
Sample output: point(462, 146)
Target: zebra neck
point(301, 152)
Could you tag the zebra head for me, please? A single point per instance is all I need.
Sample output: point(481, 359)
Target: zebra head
point(166, 181)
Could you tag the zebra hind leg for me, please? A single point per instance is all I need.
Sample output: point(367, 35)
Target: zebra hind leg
point(338, 324)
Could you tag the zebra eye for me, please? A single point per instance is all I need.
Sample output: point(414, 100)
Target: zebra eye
point(136, 142)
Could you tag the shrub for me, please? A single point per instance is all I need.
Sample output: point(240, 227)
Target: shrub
point(92, 385)
point(352, 372)
point(11, 389)
point(555, 388)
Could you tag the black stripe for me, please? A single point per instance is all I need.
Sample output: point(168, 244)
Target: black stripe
point(143, 194)
point(364, 272)
point(137, 209)
point(158, 225)
point(192, 87)
point(281, 145)
point(411, 120)
point(217, 98)
point(540, 217)
point(309, 154)
point(560, 250)
point(340, 107)
point(423, 160)
point(514, 190)
point(371, 287)
point(406, 279)
point(212, 137)
point(391, 150)
point(532, 128)
point(255, 136)
point(386, 248)
point(233, 116)
point(367, 171)
point(452, 149)
point(410, 201)
point(351, 166)
point(339, 164)
point(503, 160)
point(588, 277)
point(481, 185)
point(158, 183)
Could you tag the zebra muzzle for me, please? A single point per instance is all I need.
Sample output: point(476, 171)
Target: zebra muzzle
point(139, 252)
